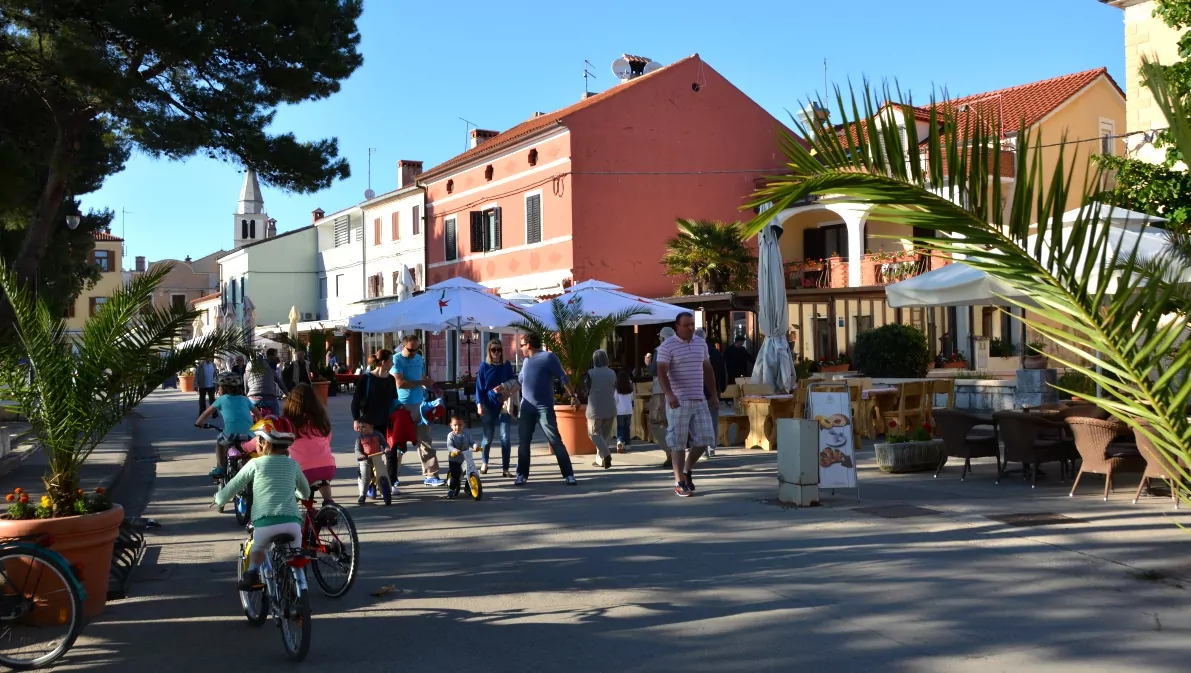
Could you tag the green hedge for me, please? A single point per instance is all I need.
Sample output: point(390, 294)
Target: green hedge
point(892, 351)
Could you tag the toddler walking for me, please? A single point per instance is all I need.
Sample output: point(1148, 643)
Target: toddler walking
point(372, 451)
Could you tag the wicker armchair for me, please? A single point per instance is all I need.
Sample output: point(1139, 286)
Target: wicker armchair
point(955, 429)
point(1158, 466)
point(1094, 440)
point(1032, 439)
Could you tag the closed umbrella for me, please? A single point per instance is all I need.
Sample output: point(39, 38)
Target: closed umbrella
point(600, 299)
point(248, 320)
point(293, 322)
point(405, 284)
point(774, 364)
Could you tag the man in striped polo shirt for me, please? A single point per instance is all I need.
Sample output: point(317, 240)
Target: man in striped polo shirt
point(684, 371)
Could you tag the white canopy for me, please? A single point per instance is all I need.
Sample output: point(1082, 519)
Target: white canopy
point(600, 299)
point(457, 303)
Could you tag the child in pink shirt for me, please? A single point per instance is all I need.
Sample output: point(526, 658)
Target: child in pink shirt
point(312, 444)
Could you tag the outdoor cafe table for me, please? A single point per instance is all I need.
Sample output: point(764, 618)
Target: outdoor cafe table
point(763, 412)
point(347, 380)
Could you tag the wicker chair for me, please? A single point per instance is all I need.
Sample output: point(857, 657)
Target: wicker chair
point(1094, 441)
point(1158, 466)
point(1032, 439)
point(955, 429)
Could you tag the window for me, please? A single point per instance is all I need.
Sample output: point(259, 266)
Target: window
point(342, 232)
point(338, 283)
point(178, 302)
point(864, 323)
point(452, 250)
point(359, 230)
point(414, 275)
point(251, 228)
point(488, 173)
point(450, 186)
point(1108, 132)
point(322, 287)
point(416, 220)
point(533, 218)
point(396, 280)
point(243, 228)
point(533, 157)
point(103, 259)
point(232, 286)
point(97, 302)
point(376, 231)
point(396, 227)
point(374, 285)
point(823, 242)
point(70, 310)
point(243, 290)
point(485, 230)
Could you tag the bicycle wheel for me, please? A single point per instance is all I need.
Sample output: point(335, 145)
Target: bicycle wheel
point(243, 504)
point(295, 616)
point(41, 611)
point(254, 603)
point(338, 551)
point(474, 486)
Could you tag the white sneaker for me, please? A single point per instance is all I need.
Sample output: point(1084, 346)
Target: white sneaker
point(710, 451)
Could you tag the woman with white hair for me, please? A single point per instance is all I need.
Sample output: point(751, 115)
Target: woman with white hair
point(601, 407)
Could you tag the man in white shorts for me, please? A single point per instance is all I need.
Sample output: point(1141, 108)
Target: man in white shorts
point(684, 371)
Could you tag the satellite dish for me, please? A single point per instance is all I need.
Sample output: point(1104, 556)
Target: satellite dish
point(369, 194)
point(650, 67)
point(620, 68)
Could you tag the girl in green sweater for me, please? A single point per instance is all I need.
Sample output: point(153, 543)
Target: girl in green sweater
point(274, 478)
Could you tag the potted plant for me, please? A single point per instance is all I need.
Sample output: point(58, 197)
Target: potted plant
point(909, 451)
point(320, 376)
point(578, 337)
point(81, 389)
point(1036, 357)
point(892, 351)
point(840, 363)
point(1074, 385)
point(186, 380)
point(956, 360)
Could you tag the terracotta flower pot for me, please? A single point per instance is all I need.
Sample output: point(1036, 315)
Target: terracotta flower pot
point(909, 456)
point(955, 365)
point(321, 389)
point(85, 541)
point(828, 369)
point(186, 383)
point(572, 427)
point(1036, 362)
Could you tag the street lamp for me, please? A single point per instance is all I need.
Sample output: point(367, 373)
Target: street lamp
point(469, 339)
point(74, 217)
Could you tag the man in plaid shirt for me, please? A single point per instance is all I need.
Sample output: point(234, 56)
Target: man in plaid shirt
point(684, 371)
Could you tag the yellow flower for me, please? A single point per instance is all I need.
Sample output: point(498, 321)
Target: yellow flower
point(45, 501)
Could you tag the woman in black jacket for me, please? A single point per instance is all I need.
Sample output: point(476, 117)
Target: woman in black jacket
point(375, 392)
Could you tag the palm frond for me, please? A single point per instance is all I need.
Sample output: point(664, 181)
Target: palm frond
point(1105, 308)
point(123, 353)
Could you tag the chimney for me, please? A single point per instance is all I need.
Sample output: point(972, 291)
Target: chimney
point(270, 228)
point(316, 215)
point(188, 260)
point(538, 114)
point(588, 94)
point(480, 136)
point(140, 264)
point(407, 172)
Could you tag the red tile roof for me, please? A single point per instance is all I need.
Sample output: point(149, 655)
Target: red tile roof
point(105, 236)
point(537, 124)
point(1031, 102)
point(210, 296)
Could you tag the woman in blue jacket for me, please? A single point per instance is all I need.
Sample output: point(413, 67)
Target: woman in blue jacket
point(495, 382)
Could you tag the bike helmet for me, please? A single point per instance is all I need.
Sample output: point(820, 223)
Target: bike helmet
point(277, 431)
point(229, 379)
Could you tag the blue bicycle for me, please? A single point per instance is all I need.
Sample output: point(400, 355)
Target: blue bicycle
point(41, 603)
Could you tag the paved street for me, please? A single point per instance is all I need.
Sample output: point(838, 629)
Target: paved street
point(621, 575)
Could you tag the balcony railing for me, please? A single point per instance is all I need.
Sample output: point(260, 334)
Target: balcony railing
point(885, 269)
point(876, 269)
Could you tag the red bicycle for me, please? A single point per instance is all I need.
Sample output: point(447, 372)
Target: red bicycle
point(330, 534)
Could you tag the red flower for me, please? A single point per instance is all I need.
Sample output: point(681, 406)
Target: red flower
point(99, 490)
point(893, 424)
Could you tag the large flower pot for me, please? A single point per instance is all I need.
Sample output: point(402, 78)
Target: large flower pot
point(86, 542)
point(321, 390)
point(830, 369)
point(186, 383)
point(572, 427)
point(909, 456)
point(955, 365)
point(1036, 362)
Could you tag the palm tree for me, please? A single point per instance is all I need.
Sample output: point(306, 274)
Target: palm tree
point(578, 337)
point(715, 255)
point(1127, 342)
point(74, 390)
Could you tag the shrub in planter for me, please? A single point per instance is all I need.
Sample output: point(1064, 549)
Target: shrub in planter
point(892, 351)
point(1075, 383)
point(81, 388)
point(914, 451)
point(577, 337)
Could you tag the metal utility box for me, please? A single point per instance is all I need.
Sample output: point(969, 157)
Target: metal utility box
point(798, 461)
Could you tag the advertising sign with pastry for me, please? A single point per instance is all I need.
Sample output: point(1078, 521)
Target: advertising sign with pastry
point(837, 467)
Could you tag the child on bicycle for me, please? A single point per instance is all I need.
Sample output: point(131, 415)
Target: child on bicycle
point(274, 478)
point(458, 441)
point(312, 437)
point(372, 454)
point(236, 410)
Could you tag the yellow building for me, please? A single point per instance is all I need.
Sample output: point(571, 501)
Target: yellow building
point(109, 257)
point(839, 260)
point(1148, 36)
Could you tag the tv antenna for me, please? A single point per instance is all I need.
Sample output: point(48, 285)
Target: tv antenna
point(467, 126)
point(368, 193)
point(587, 72)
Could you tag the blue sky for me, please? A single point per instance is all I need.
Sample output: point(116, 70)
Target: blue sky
point(427, 64)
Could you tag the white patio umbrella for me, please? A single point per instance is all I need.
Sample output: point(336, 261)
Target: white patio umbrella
point(249, 319)
point(774, 364)
point(457, 303)
point(600, 299)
